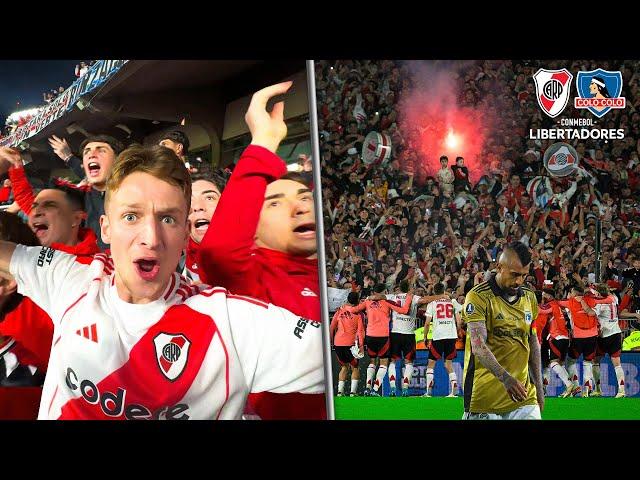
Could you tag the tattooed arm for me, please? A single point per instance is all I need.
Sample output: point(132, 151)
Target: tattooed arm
point(535, 367)
point(477, 332)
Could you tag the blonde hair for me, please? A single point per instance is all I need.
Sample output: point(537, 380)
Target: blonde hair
point(158, 161)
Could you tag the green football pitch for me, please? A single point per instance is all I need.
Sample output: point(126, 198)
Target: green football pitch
point(442, 408)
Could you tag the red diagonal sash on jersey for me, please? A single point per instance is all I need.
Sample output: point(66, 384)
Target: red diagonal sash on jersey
point(141, 377)
point(562, 77)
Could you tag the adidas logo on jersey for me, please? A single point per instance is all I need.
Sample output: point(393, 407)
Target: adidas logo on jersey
point(499, 317)
point(89, 332)
point(306, 292)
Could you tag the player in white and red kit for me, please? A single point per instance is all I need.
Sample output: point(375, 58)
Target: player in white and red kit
point(609, 340)
point(131, 339)
point(446, 323)
point(347, 330)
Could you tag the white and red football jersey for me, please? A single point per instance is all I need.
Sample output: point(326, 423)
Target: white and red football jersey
point(195, 353)
point(404, 323)
point(607, 313)
point(442, 314)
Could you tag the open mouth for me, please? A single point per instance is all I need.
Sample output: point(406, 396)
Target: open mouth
point(94, 169)
point(201, 225)
point(40, 229)
point(306, 230)
point(148, 269)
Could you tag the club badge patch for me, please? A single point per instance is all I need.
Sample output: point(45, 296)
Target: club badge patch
point(172, 352)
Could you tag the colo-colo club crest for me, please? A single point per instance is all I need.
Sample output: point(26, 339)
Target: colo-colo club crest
point(552, 90)
point(599, 91)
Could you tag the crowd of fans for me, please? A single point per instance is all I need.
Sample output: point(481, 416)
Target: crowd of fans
point(385, 223)
point(248, 252)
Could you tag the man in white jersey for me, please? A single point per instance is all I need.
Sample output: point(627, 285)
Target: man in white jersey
point(609, 335)
point(446, 322)
point(132, 340)
point(402, 337)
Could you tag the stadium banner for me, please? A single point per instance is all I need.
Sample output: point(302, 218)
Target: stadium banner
point(96, 76)
point(337, 297)
point(630, 365)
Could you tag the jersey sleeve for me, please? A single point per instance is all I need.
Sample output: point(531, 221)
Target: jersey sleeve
point(225, 259)
point(22, 191)
point(334, 324)
point(45, 275)
point(280, 352)
point(404, 309)
point(416, 299)
point(360, 334)
point(360, 307)
point(429, 310)
point(475, 308)
point(457, 308)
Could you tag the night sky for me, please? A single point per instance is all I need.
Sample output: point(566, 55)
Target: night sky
point(26, 80)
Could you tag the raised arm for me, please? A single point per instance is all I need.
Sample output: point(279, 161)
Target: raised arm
point(431, 298)
point(359, 308)
point(404, 309)
point(588, 310)
point(225, 255)
point(11, 162)
point(61, 149)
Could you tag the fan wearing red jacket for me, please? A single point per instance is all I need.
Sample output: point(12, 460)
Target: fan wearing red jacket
point(350, 332)
point(55, 216)
point(261, 241)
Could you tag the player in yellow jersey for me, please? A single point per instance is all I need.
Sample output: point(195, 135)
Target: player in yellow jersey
point(502, 347)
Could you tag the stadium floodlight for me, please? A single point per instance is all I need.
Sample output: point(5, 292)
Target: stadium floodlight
point(16, 116)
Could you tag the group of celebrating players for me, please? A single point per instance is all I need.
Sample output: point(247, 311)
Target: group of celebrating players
point(514, 317)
